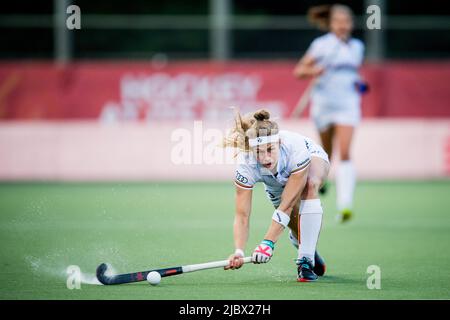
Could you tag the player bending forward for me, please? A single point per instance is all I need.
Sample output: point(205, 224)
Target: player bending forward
point(292, 168)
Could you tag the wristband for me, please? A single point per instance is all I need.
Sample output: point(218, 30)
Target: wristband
point(281, 218)
point(239, 252)
point(270, 243)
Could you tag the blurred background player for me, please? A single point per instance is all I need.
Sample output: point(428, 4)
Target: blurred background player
point(332, 61)
point(292, 168)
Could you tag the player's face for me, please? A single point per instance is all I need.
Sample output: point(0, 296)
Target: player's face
point(341, 24)
point(267, 155)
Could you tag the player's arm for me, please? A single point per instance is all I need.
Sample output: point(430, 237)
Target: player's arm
point(242, 217)
point(307, 68)
point(282, 215)
point(289, 198)
point(361, 84)
point(241, 226)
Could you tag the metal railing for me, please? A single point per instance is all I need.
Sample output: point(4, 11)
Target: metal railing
point(219, 23)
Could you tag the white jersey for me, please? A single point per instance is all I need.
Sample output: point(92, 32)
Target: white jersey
point(341, 61)
point(294, 156)
point(334, 98)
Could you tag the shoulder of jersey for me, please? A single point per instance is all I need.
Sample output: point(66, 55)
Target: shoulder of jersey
point(287, 133)
point(323, 38)
point(290, 137)
point(246, 159)
point(357, 42)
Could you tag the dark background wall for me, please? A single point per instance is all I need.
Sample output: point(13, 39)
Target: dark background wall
point(28, 31)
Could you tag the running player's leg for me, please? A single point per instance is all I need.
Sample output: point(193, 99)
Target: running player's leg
point(326, 138)
point(311, 213)
point(345, 175)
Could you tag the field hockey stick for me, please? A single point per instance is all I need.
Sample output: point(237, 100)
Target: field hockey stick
point(304, 100)
point(105, 278)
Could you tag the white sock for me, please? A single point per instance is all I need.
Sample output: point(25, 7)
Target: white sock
point(311, 213)
point(345, 185)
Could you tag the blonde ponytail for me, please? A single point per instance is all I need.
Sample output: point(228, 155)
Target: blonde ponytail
point(249, 126)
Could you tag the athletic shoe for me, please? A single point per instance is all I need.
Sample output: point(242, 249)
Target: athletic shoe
point(323, 190)
point(305, 270)
point(319, 265)
point(344, 216)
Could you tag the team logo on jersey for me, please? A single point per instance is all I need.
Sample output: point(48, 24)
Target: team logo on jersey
point(241, 178)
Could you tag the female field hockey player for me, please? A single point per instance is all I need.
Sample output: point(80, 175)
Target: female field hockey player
point(333, 60)
point(292, 168)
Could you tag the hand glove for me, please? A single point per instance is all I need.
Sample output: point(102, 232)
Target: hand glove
point(263, 252)
point(362, 87)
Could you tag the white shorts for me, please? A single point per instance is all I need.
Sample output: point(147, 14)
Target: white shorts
point(274, 192)
point(326, 111)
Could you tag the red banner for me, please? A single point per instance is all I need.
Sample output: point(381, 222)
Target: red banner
point(202, 90)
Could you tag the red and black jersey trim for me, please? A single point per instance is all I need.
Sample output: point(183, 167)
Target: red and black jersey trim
point(239, 184)
point(301, 167)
